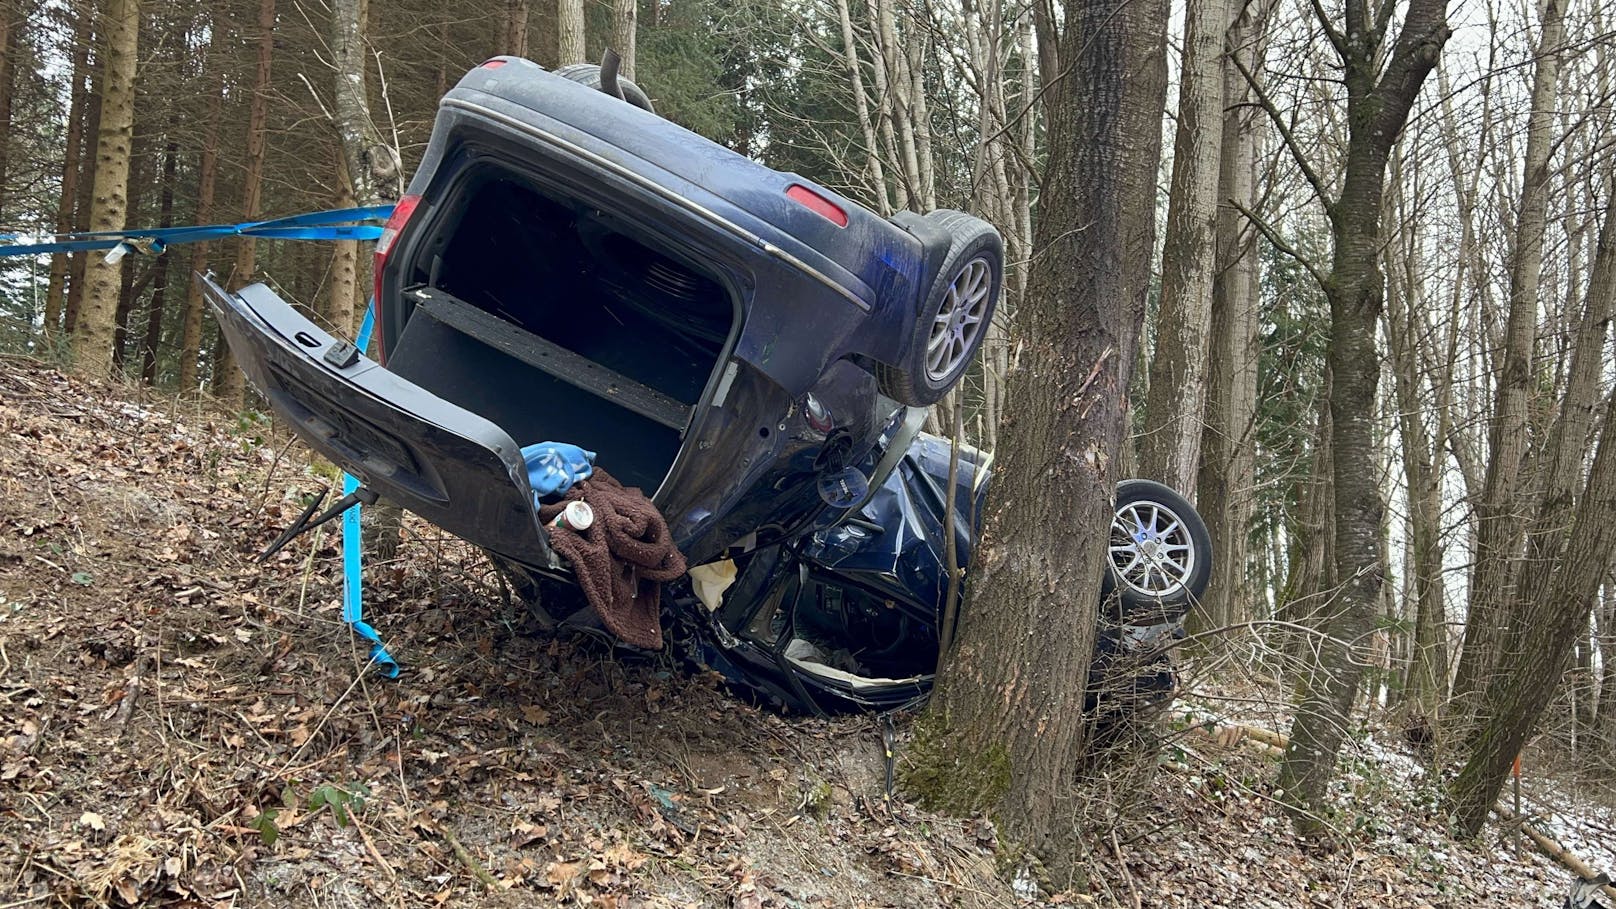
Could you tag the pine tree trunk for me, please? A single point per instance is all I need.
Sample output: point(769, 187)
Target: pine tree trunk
point(10, 39)
point(139, 178)
point(207, 174)
point(516, 21)
point(228, 383)
point(570, 32)
point(1170, 448)
point(86, 185)
point(1378, 104)
point(624, 34)
point(93, 333)
point(344, 279)
point(1226, 485)
point(1005, 729)
point(159, 299)
point(56, 289)
point(1499, 512)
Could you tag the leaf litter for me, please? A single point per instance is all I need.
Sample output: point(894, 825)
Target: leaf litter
point(180, 726)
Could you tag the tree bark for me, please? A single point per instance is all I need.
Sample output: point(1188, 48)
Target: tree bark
point(514, 40)
point(93, 334)
point(1501, 511)
point(625, 34)
point(159, 299)
point(72, 153)
point(228, 384)
point(1170, 448)
point(1226, 483)
point(861, 108)
point(1378, 104)
point(83, 205)
point(207, 173)
point(570, 32)
point(10, 39)
point(1005, 728)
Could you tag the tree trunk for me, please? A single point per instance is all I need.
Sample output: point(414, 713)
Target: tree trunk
point(82, 206)
point(1170, 449)
point(93, 333)
point(1378, 104)
point(344, 279)
point(159, 298)
point(514, 41)
point(861, 108)
point(10, 38)
point(1605, 717)
point(1499, 513)
point(139, 177)
point(227, 379)
point(1226, 485)
point(624, 33)
point(1553, 597)
point(56, 289)
point(207, 173)
point(1005, 730)
point(570, 32)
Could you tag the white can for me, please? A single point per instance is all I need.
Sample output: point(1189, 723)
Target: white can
point(576, 516)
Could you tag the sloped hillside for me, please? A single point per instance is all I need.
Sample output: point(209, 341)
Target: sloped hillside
point(181, 726)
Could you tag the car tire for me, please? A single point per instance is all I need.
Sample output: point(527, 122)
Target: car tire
point(954, 315)
point(589, 74)
point(1152, 584)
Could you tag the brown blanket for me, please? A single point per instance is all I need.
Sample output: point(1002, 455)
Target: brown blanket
point(622, 559)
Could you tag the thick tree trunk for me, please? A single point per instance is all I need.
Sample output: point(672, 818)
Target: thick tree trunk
point(56, 289)
point(227, 379)
point(1378, 104)
point(1005, 728)
point(514, 39)
point(338, 309)
point(206, 175)
point(10, 40)
point(159, 299)
point(83, 205)
point(1605, 717)
point(139, 178)
point(1500, 514)
point(1226, 484)
point(1553, 596)
point(625, 33)
point(93, 333)
point(570, 31)
point(1170, 449)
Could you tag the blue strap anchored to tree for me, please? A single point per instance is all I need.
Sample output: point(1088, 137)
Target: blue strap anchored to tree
point(353, 608)
point(337, 224)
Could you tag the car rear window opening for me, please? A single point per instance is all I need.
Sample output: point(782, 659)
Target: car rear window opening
point(540, 314)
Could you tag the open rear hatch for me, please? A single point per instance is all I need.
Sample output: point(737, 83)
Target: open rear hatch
point(446, 464)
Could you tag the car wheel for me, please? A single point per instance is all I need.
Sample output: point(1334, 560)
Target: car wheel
point(955, 315)
point(589, 74)
point(1160, 555)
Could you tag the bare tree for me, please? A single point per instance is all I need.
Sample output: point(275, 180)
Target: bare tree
point(93, 335)
point(1005, 729)
point(570, 31)
point(1381, 89)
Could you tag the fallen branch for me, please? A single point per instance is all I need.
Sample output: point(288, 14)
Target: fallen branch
point(1554, 850)
point(466, 858)
point(1269, 741)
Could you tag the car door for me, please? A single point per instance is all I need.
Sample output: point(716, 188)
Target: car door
point(446, 464)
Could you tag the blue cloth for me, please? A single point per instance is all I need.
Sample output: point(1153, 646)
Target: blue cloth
point(552, 467)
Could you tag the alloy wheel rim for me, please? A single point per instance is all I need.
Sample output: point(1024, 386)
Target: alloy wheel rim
point(1151, 549)
point(958, 320)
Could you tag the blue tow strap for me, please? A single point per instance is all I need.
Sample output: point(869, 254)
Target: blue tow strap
point(353, 607)
point(363, 223)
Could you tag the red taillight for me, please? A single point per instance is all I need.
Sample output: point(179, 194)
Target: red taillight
point(818, 204)
point(384, 244)
point(494, 64)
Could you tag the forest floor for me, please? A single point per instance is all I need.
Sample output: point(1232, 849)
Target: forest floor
point(182, 726)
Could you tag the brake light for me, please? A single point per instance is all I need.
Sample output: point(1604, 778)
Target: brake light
point(384, 245)
point(818, 204)
point(495, 63)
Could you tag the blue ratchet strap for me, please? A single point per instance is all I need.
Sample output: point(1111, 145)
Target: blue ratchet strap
point(353, 609)
point(363, 223)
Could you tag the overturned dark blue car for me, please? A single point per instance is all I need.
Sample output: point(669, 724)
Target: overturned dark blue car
point(750, 349)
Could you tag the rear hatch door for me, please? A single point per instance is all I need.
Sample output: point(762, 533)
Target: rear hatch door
point(446, 464)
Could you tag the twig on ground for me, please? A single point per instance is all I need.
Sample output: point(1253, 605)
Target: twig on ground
point(467, 859)
point(1116, 850)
